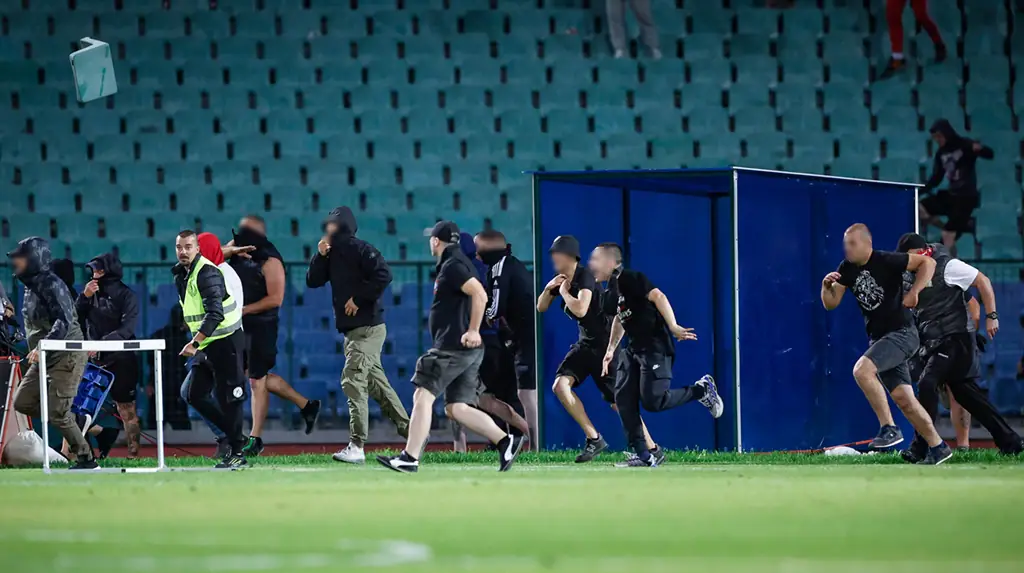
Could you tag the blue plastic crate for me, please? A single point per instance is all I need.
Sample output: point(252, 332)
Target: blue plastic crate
point(92, 391)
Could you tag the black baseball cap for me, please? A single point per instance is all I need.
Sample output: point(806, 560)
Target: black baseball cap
point(911, 241)
point(566, 245)
point(445, 231)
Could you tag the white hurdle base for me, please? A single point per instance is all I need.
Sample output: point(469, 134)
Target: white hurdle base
point(108, 471)
point(138, 470)
point(154, 346)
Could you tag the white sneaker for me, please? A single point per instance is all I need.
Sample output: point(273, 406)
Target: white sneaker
point(619, 54)
point(655, 54)
point(352, 454)
point(711, 400)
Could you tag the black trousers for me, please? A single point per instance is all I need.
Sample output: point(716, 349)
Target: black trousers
point(644, 378)
point(218, 370)
point(498, 373)
point(953, 362)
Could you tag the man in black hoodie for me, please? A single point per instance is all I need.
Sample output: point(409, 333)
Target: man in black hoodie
point(955, 160)
point(109, 310)
point(358, 275)
point(49, 313)
point(510, 307)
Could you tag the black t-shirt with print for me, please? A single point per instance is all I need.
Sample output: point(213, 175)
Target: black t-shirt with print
point(878, 287)
point(595, 326)
point(449, 312)
point(641, 320)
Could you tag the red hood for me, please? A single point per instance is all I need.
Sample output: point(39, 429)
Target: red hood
point(209, 247)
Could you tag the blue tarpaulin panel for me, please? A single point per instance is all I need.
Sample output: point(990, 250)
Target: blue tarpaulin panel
point(796, 359)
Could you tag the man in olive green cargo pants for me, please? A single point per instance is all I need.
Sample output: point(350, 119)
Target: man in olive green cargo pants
point(358, 275)
point(364, 377)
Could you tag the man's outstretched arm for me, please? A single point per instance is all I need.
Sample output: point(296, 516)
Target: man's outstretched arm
point(831, 291)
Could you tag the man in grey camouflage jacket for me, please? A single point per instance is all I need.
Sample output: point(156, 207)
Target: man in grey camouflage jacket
point(49, 313)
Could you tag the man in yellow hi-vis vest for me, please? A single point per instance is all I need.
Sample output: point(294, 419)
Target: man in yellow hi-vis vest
point(215, 320)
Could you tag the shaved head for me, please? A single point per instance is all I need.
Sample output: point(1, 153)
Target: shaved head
point(859, 228)
point(604, 259)
point(857, 243)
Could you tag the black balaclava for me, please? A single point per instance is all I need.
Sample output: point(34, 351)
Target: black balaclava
point(491, 257)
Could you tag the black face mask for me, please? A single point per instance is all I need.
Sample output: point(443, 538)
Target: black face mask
point(491, 258)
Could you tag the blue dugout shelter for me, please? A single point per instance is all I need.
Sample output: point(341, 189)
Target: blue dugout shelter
point(741, 254)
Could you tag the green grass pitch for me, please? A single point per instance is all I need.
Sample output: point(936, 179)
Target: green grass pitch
point(701, 512)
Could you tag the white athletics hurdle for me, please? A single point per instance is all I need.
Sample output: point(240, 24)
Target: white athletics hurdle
point(106, 346)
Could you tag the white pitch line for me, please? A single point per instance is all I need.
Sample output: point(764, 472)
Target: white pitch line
point(352, 553)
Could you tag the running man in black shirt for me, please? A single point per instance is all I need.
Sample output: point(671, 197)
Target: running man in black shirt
point(582, 299)
point(876, 278)
point(452, 364)
point(644, 375)
point(260, 269)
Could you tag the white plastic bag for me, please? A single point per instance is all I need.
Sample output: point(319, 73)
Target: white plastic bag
point(27, 449)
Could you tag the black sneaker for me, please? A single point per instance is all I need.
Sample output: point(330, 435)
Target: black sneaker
point(223, 449)
point(937, 455)
point(592, 449)
point(659, 455)
point(888, 436)
point(508, 450)
point(233, 462)
point(916, 453)
point(85, 463)
point(1013, 450)
point(634, 461)
point(941, 53)
point(894, 67)
point(309, 415)
point(105, 441)
point(401, 463)
point(253, 447)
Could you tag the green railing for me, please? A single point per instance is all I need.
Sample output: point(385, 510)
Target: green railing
point(152, 275)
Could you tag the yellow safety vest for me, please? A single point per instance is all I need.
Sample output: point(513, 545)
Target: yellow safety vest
point(192, 307)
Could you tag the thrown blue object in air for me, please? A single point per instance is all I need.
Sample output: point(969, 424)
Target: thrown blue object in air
point(93, 70)
point(92, 391)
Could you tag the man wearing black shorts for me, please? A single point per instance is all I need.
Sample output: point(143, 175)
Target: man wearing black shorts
point(644, 374)
point(582, 299)
point(876, 278)
point(259, 267)
point(948, 343)
point(954, 160)
point(452, 364)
